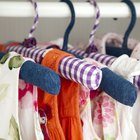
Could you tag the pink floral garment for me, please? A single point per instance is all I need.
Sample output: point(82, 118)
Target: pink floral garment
point(133, 44)
point(104, 113)
point(104, 117)
point(102, 125)
point(85, 114)
point(19, 117)
point(28, 112)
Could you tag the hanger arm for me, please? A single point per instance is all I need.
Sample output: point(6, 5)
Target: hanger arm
point(132, 23)
point(118, 88)
point(110, 50)
point(70, 26)
point(113, 84)
point(40, 76)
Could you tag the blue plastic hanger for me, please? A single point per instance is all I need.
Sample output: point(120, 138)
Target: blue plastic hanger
point(70, 26)
point(110, 50)
point(111, 83)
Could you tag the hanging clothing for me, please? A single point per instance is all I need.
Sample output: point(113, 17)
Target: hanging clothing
point(104, 118)
point(9, 72)
point(47, 102)
point(109, 119)
point(136, 52)
point(24, 122)
point(68, 99)
point(85, 114)
point(85, 111)
point(103, 112)
point(129, 67)
point(136, 107)
point(43, 124)
point(69, 114)
point(49, 106)
point(28, 112)
point(135, 46)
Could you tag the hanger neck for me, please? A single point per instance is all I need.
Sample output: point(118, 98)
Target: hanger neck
point(70, 26)
point(132, 22)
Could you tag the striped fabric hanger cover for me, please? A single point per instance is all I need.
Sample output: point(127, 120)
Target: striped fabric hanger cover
point(77, 70)
point(81, 72)
point(91, 50)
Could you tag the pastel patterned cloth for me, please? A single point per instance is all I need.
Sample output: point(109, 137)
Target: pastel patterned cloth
point(136, 52)
point(102, 58)
point(19, 119)
point(104, 119)
point(85, 114)
point(129, 67)
point(28, 112)
point(111, 119)
point(9, 72)
point(115, 40)
point(136, 108)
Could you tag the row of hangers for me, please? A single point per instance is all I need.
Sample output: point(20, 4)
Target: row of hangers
point(41, 75)
point(109, 50)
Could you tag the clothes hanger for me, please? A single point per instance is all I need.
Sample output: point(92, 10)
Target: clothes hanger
point(109, 79)
point(74, 72)
point(102, 58)
point(38, 75)
point(132, 23)
point(91, 45)
point(124, 50)
point(31, 41)
point(70, 26)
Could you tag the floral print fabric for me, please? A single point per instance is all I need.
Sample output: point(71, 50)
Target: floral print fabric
point(104, 117)
point(103, 112)
point(111, 119)
point(85, 114)
point(19, 118)
point(9, 73)
point(28, 112)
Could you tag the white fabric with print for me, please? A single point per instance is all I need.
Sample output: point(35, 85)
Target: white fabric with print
point(9, 122)
point(19, 117)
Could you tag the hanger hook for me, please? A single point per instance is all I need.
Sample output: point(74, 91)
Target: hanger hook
point(132, 23)
point(31, 41)
point(70, 26)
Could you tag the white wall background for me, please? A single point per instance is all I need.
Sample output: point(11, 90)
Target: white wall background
point(48, 28)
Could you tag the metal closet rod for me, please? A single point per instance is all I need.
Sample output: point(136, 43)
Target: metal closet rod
point(61, 10)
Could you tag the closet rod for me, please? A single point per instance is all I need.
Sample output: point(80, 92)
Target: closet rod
point(61, 10)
